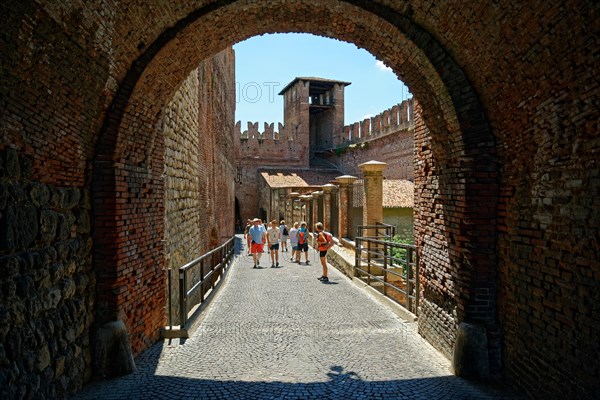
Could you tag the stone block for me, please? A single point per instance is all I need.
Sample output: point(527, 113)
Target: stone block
point(68, 288)
point(53, 298)
point(84, 224)
point(39, 194)
point(43, 359)
point(71, 198)
point(12, 169)
point(18, 227)
point(48, 225)
point(112, 351)
point(3, 195)
point(471, 358)
point(65, 222)
point(9, 267)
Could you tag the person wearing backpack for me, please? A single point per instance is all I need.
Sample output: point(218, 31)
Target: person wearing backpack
point(302, 242)
point(284, 235)
point(295, 257)
point(324, 242)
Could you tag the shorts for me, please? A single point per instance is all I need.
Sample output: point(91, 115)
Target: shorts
point(322, 253)
point(256, 248)
point(303, 247)
point(274, 246)
point(295, 247)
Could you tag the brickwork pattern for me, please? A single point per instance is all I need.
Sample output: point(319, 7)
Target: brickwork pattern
point(395, 149)
point(182, 201)
point(509, 96)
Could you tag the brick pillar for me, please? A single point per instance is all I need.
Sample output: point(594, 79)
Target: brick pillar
point(294, 214)
point(372, 191)
point(306, 201)
point(316, 197)
point(327, 205)
point(346, 183)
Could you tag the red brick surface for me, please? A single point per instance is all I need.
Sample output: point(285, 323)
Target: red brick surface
point(507, 169)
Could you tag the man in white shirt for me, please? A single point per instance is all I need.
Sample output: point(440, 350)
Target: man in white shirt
point(257, 238)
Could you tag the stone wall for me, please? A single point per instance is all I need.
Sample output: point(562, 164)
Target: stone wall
point(509, 92)
point(182, 205)
point(198, 129)
point(47, 283)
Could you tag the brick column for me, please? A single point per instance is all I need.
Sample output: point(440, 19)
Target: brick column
point(293, 203)
point(372, 191)
point(346, 183)
point(306, 200)
point(327, 204)
point(316, 197)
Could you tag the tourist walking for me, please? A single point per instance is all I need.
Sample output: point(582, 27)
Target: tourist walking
point(273, 236)
point(284, 235)
point(303, 242)
point(246, 236)
point(324, 242)
point(257, 236)
point(295, 257)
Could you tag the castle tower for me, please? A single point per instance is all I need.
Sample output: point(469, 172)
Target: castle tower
point(313, 113)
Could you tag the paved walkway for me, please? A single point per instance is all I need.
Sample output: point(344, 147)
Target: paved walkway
point(281, 334)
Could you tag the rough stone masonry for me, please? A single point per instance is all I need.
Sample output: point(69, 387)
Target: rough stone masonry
point(506, 173)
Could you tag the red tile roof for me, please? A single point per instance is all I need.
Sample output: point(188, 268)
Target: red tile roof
point(298, 178)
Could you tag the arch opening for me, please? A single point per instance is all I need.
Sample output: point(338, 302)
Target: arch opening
point(453, 138)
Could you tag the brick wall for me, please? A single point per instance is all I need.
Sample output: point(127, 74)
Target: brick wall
point(387, 137)
point(396, 149)
point(438, 319)
point(509, 95)
point(198, 148)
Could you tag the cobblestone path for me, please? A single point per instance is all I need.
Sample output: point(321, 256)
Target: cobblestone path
point(279, 333)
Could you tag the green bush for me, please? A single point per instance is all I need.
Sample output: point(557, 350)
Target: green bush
point(400, 255)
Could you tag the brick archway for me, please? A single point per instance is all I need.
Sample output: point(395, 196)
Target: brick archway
point(455, 140)
point(82, 85)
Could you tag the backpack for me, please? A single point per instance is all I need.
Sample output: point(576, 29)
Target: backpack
point(285, 231)
point(329, 243)
point(301, 236)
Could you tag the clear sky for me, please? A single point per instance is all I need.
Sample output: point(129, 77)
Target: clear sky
point(265, 64)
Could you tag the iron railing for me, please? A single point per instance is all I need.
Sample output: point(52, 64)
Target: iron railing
point(197, 279)
point(377, 231)
point(391, 268)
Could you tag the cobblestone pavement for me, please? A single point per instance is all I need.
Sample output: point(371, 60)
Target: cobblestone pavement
point(279, 333)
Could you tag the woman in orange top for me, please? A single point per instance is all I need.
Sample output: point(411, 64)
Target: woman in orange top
point(324, 242)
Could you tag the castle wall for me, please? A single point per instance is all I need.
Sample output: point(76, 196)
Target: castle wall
point(510, 98)
point(286, 147)
point(397, 118)
point(198, 129)
point(387, 137)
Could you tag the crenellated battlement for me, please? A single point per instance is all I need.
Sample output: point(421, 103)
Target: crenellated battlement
point(397, 118)
point(268, 133)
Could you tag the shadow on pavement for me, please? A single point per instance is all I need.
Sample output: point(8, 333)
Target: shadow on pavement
point(339, 384)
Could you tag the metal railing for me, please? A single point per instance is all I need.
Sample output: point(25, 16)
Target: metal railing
point(391, 268)
point(197, 278)
point(376, 231)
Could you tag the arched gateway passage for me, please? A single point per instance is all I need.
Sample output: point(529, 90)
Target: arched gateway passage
point(454, 137)
point(506, 171)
